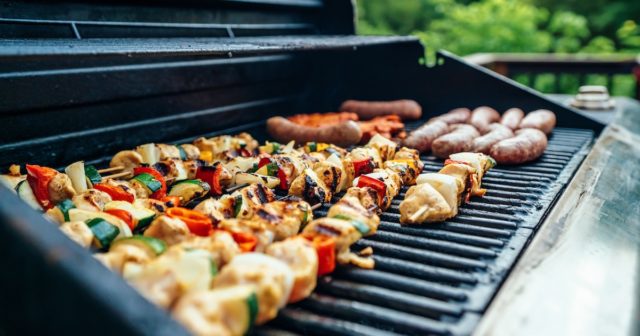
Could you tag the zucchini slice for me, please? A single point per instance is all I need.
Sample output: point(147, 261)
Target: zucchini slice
point(92, 174)
point(153, 246)
point(103, 232)
point(24, 191)
point(142, 216)
point(82, 215)
point(189, 190)
point(149, 182)
point(64, 207)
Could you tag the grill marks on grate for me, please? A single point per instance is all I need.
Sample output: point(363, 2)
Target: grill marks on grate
point(426, 276)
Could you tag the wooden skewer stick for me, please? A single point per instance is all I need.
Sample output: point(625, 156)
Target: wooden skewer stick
point(112, 169)
point(123, 174)
point(316, 206)
point(418, 213)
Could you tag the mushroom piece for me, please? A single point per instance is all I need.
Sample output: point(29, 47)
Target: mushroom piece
point(127, 159)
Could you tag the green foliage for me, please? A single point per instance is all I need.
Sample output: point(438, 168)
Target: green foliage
point(471, 26)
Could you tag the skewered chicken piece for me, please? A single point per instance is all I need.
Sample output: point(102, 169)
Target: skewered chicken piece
point(298, 253)
point(227, 311)
point(406, 163)
point(438, 195)
point(272, 278)
point(226, 147)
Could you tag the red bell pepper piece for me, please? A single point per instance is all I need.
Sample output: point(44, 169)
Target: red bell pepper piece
point(264, 161)
point(365, 166)
point(325, 247)
point(160, 193)
point(116, 193)
point(375, 184)
point(124, 215)
point(198, 223)
point(246, 241)
point(244, 152)
point(38, 178)
point(211, 175)
point(284, 184)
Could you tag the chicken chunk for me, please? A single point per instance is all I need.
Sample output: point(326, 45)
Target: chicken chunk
point(301, 257)
point(424, 204)
point(219, 244)
point(127, 159)
point(79, 232)
point(60, 188)
point(171, 230)
point(343, 231)
point(91, 200)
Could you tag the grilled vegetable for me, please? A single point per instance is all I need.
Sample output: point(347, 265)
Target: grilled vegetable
point(76, 172)
point(152, 180)
point(245, 240)
point(92, 175)
point(326, 250)
point(360, 226)
point(103, 232)
point(24, 191)
point(149, 153)
point(116, 192)
point(375, 184)
point(198, 223)
point(64, 207)
point(189, 190)
point(142, 216)
point(84, 216)
point(212, 176)
point(38, 178)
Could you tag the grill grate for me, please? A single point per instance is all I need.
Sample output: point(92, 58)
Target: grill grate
point(439, 278)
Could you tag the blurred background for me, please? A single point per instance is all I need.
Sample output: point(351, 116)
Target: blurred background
point(553, 46)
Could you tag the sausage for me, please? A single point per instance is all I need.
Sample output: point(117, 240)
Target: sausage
point(512, 117)
point(422, 138)
point(498, 133)
point(456, 116)
point(527, 145)
point(482, 117)
point(459, 140)
point(344, 134)
point(543, 120)
point(406, 109)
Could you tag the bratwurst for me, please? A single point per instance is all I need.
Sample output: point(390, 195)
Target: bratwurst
point(512, 117)
point(456, 116)
point(343, 134)
point(527, 145)
point(484, 143)
point(460, 139)
point(543, 120)
point(422, 138)
point(406, 109)
point(482, 117)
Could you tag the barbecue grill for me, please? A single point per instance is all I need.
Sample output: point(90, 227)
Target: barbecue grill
point(84, 80)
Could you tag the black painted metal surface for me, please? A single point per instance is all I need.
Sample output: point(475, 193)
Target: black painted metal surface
point(440, 278)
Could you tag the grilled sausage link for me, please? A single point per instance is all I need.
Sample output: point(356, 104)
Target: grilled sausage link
point(406, 109)
point(527, 145)
point(512, 117)
point(498, 133)
point(459, 140)
point(422, 138)
point(543, 120)
point(343, 134)
point(456, 116)
point(482, 117)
